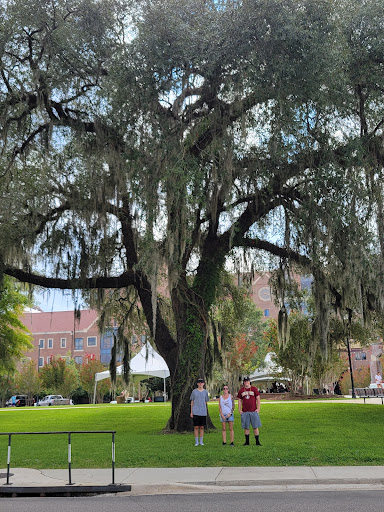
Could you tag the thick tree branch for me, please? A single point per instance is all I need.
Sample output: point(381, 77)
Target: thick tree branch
point(281, 252)
point(125, 279)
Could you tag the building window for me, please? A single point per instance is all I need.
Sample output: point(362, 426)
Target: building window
point(358, 356)
point(63, 342)
point(143, 339)
point(106, 342)
point(266, 312)
point(50, 343)
point(79, 359)
point(91, 342)
point(49, 359)
point(41, 343)
point(79, 343)
point(105, 358)
point(134, 340)
point(363, 356)
point(41, 362)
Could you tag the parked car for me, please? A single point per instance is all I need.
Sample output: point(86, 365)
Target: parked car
point(16, 401)
point(54, 400)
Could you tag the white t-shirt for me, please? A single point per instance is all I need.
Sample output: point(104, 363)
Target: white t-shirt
point(226, 405)
point(378, 379)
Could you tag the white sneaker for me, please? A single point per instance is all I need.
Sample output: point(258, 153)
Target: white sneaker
point(201, 444)
point(196, 444)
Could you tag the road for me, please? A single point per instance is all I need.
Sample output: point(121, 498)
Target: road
point(299, 501)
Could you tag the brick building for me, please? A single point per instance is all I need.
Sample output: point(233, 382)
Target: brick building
point(62, 334)
point(367, 357)
point(261, 293)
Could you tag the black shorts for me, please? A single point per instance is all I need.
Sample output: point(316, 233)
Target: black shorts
point(199, 421)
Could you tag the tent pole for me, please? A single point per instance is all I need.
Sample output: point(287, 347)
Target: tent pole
point(165, 391)
point(94, 392)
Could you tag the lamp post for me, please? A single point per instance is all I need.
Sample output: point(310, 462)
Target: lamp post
point(347, 324)
point(350, 366)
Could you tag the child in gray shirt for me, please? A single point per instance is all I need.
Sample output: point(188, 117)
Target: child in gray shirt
point(199, 399)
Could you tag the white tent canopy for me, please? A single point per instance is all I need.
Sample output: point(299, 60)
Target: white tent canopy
point(147, 363)
point(269, 372)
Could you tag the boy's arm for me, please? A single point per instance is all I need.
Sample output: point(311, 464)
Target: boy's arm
point(240, 404)
point(258, 403)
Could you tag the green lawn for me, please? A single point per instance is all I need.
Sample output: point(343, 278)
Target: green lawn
point(293, 434)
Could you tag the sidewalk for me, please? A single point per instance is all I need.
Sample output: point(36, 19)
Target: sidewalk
point(204, 479)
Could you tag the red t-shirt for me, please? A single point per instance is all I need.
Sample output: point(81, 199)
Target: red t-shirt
point(248, 396)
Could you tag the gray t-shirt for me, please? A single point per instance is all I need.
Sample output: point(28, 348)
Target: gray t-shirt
point(200, 399)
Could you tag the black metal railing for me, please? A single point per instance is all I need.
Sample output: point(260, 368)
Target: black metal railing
point(69, 433)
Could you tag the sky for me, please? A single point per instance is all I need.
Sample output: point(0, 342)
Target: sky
point(55, 300)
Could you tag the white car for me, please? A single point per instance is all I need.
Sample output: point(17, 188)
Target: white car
point(55, 400)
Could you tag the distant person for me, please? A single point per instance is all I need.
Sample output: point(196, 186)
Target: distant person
point(226, 407)
point(249, 409)
point(199, 399)
point(379, 380)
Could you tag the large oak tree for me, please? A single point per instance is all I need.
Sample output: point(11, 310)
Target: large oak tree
point(148, 142)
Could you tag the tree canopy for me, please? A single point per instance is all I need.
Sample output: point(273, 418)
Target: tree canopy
point(14, 336)
point(148, 142)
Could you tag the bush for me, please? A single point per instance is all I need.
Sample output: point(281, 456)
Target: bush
point(361, 379)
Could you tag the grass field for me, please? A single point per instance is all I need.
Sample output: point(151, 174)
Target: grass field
point(293, 434)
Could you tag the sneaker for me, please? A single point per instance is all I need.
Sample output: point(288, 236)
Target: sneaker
point(258, 443)
point(246, 444)
point(201, 444)
point(224, 443)
point(196, 444)
point(232, 444)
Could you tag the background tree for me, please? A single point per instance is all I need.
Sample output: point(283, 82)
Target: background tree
point(237, 331)
point(7, 387)
point(14, 336)
point(295, 356)
point(87, 378)
point(59, 377)
point(361, 379)
point(302, 360)
point(27, 379)
point(157, 139)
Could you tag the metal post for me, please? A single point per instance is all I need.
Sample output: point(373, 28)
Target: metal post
point(113, 432)
point(69, 458)
point(113, 458)
point(350, 369)
point(9, 457)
